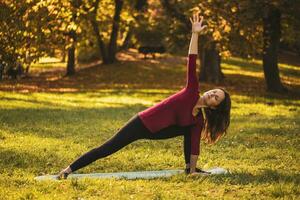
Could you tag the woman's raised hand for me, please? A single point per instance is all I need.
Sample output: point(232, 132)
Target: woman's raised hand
point(196, 23)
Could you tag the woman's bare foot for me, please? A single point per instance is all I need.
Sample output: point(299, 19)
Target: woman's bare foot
point(64, 173)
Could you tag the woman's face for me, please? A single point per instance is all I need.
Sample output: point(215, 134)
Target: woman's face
point(213, 98)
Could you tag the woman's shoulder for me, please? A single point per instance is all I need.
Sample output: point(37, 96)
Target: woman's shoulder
point(191, 94)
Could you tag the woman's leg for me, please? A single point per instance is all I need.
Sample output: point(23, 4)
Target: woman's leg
point(133, 130)
point(169, 132)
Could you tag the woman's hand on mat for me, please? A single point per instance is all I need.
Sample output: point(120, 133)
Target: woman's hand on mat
point(195, 173)
point(187, 170)
point(197, 23)
point(199, 173)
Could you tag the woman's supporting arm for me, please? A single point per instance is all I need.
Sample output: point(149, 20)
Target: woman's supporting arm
point(187, 148)
point(193, 163)
point(190, 159)
point(195, 145)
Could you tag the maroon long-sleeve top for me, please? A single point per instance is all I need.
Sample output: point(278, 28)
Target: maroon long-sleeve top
point(177, 109)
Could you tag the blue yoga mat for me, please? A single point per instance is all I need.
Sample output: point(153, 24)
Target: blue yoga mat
point(130, 175)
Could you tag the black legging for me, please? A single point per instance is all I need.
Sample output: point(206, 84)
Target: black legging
point(132, 131)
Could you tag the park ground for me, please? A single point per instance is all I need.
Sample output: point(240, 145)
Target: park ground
point(47, 120)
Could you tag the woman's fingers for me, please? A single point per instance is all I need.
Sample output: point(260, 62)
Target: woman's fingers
point(203, 27)
point(197, 19)
point(201, 19)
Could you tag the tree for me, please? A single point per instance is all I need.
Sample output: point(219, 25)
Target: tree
point(261, 24)
point(72, 35)
point(107, 51)
point(271, 36)
point(32, 29)
point(13, 30)
point(278, 14)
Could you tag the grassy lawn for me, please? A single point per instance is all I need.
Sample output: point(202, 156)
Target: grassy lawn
point(48, 121)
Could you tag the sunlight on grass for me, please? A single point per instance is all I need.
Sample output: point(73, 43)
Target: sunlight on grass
point(48, 63)
point(263, 106)
point(253, 68)
point(233, 70)
point(49, 60)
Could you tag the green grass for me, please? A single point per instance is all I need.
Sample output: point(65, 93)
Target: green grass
point(42, 132)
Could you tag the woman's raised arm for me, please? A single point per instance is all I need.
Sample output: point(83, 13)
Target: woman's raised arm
point(196, 29)
point(192, 80)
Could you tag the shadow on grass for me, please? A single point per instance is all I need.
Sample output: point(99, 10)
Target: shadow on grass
point(144, 92)
point(142, 75)
point(13, 159)
point(61, 123)
point(267, 176)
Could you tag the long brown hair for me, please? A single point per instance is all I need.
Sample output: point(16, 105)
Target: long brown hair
point(217, 120)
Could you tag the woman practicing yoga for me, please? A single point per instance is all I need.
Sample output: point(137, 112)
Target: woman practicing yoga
point(185, 113)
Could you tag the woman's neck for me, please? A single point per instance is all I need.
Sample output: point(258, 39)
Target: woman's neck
point(201, 102)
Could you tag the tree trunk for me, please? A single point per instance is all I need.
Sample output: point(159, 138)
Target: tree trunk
point(210, 60)
point(63, 56)
point(28, 61)
point(271, 37)
point(27, 69)
point(1, 70)
point(71, 55)
point(71, 61)
point(73, 39)
point(126, 43)
point(100, 43)
point(112, 47)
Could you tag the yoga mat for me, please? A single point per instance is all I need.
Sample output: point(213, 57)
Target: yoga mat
point(216, 170)
point(130, 175)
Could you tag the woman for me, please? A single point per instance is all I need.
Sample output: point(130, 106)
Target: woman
point(178, 115)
